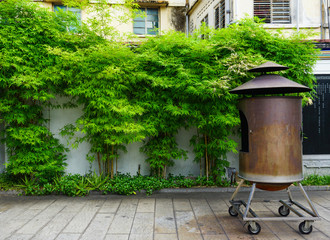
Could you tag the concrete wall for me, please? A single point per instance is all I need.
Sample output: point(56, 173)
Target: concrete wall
point(128, 162)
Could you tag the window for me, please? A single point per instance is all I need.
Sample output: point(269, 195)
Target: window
point(148, 24)
point(316, 119)
point(75, 11)
point(273, 11)
point(220, 15)
point(205, 20)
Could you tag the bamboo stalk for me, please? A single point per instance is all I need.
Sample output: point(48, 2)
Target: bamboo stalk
point(206, 159)
point(164, 171)
point(99, 163)
point(111, 161)
point(116, 165)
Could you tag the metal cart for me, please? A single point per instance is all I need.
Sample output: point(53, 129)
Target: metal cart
point(305, 227)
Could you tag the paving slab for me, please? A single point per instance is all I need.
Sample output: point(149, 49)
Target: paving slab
point(171, 216)
point(82, 219)
point(116, 237)
point(164, 218)
point(124, 217)
point(98, 227)
point(165, 236)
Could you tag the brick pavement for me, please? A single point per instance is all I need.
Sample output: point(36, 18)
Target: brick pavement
point(162, 216)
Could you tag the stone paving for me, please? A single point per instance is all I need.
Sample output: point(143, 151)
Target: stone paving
point(161, 216)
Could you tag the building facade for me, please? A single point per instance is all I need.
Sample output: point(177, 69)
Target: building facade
point(160, 15)
point(188, 15)
point(285, 14)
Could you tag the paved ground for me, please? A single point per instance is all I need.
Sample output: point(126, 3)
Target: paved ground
point(162, 216)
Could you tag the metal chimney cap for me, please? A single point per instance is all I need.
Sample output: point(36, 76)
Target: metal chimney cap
point(269, 84)
point(268, 67)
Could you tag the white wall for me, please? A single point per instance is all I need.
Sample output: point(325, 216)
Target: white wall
point(128, 162)
point(76, 157)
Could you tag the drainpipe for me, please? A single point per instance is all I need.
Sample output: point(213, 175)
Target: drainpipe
point(321, 14)
point(235, 11)
point(298, 9)
point(328, 10)
point(187, 25)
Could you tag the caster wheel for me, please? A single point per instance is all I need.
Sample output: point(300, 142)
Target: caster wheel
point(232, 211)
point(303, 229)
point(283, 211)
point(255, 230)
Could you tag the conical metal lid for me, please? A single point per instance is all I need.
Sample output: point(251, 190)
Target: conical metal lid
point(268, 67)
point(270, 84)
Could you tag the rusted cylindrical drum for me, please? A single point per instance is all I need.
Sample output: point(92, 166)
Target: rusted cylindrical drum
point(271, 153)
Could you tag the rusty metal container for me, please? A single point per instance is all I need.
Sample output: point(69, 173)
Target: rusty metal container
point(271, 154)
point(271, 140)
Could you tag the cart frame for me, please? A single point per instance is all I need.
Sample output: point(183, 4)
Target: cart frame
point(305, 227)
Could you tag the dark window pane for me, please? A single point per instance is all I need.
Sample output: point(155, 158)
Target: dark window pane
point(152, 11)
point(152, 18)
point(217, 19)
point(152, 31)
point(75, 11)
point(316, 120)
point(139, 24)
point(273, 11)
point(139, 31)
point(147, 25)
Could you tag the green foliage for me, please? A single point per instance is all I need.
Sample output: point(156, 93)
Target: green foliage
point(123, 184)
point(106, 19)
point(7, 182)
point(189, 78)
point(161, 150)
point(26, 34)
point(34, 152)
point(316, 180)
point(127, 93)
point(102, 78)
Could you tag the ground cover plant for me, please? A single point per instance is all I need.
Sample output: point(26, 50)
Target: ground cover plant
point(128, 93)
point(122, 184)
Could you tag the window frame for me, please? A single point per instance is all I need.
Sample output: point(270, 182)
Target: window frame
point(220, 15)
point(146, 33)
point(66, 8)
point(205, 20)
point(270, 10)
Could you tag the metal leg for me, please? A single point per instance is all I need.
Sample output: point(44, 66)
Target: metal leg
point(249, 201)
point(308, 200)
point(237, 189)
point(289, 194)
